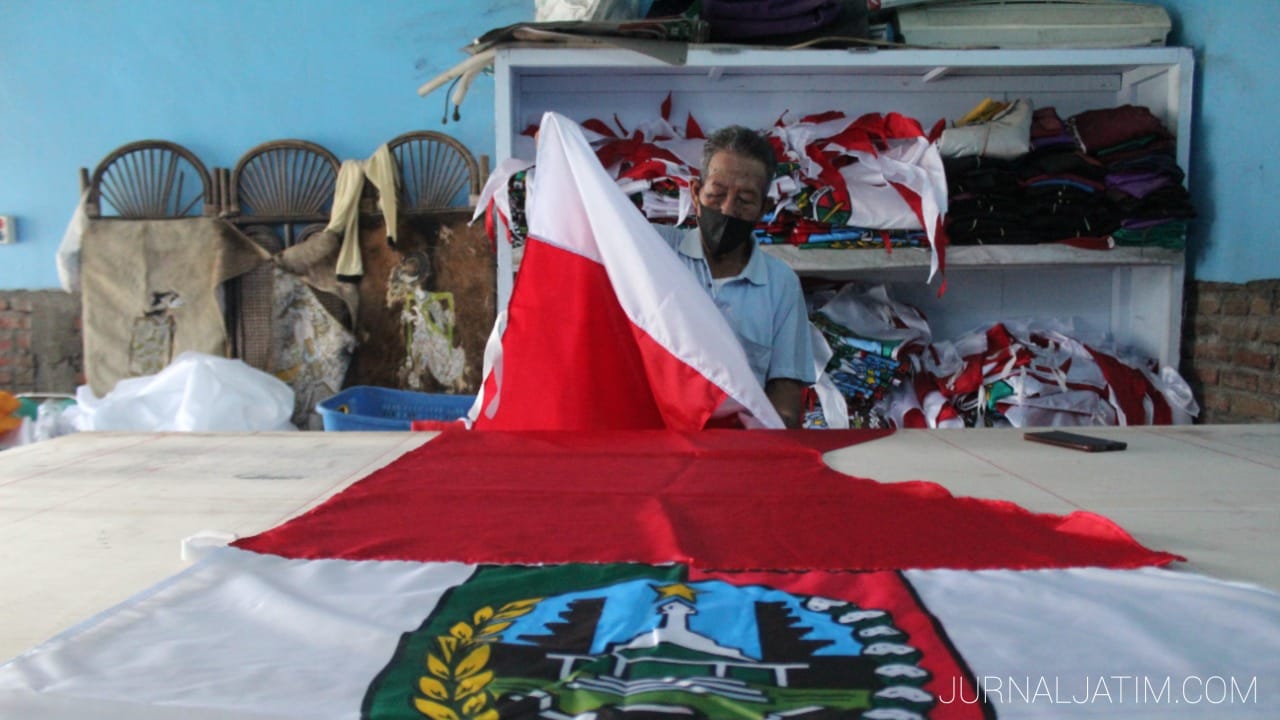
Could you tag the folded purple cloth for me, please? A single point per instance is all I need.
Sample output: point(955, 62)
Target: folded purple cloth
point(1138, 184)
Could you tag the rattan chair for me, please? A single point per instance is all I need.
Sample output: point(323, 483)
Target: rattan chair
point(282, 182)
point(147, 180)
point(435, 171)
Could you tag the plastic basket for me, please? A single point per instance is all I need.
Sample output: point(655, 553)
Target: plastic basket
point(365, 407)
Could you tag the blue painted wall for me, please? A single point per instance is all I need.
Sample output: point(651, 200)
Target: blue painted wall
point(1235, 162)
point(78, 78)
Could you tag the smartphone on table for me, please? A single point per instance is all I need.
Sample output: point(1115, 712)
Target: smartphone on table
point(1075, 441)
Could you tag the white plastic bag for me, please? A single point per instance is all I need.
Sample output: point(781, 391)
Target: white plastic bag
point(68, 258)
point(590, 10)
point(196, 392)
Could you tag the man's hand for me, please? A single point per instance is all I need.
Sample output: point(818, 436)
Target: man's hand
point(787, 396)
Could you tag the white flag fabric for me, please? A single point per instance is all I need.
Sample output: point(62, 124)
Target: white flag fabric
point(247, 636)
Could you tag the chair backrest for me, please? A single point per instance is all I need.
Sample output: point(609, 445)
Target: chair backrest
point(248, 305)
point(434, 170)
point(283, 181)
point(150, 179)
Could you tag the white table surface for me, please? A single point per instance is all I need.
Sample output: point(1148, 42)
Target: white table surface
point(88, 520)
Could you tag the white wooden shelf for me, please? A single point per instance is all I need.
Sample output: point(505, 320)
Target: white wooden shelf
point(841, 263)
point(1132, 296)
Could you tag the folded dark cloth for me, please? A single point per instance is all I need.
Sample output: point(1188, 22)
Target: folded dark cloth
point(1158, 162)
point(979, 205)
point(1052, 161)
point(1164, 233)
point(1098, 129)
point(988, 231)
point(1073, 222)
point(1060, 193)
point(1082, 183)
point(1170, 201)
point(977, 174)
point(1138, 149)
point(962, 165)
point(1045, 123)
point(743, 19)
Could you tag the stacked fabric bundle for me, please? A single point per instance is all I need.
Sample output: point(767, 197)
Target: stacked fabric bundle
point(787, 228)
point(1102, 176)
point(1063, 188)
point(986, 205)
point(1049, 191)
point(874, 180)
point(871, 344)
point(1142, 176)
point(862, 369)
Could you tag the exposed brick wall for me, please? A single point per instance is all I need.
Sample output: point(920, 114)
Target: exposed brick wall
point(40, 342)
point(1231, 350)
point(1231, 347)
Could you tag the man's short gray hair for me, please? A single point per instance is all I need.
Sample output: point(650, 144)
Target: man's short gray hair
point(741, 141)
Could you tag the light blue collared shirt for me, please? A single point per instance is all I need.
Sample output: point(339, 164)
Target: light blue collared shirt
point(763, 304)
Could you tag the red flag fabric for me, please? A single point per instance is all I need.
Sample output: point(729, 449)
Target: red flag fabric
point(717, 499)
point(605, 327)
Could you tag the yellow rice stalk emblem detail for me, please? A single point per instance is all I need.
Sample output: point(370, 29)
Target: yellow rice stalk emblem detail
point(455, 686)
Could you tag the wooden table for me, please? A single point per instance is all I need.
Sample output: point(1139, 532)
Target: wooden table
point(88, 520)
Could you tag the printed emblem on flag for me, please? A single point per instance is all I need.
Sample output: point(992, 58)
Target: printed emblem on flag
point(641, 641)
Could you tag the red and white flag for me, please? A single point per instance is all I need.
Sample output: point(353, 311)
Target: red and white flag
point(605, 327)
point(585, 575)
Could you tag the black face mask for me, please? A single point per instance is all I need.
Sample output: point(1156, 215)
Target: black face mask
point(722, 234)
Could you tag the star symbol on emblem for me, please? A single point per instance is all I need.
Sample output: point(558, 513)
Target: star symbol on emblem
point(679, 590)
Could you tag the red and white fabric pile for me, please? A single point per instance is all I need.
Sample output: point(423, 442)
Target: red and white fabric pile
point(835, 172)
point(1019, 375)
point(1012, 373)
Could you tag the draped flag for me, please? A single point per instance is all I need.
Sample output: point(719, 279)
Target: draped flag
point(605, 328)
point(396, 600)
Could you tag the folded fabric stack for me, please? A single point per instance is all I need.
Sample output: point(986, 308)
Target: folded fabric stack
point(871, 181)
point(862, 369)
point(1006, 174)
point(1049, 191)
point(1142, 177)
point(1101, 176)
point(1063, 192)
point(986, 205)
point(871, 341)
point(785, 227)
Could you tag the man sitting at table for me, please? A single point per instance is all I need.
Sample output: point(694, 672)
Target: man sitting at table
point(758, 294)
